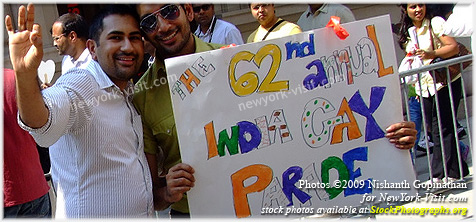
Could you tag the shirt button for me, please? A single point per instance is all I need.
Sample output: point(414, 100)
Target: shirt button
point(168, 131)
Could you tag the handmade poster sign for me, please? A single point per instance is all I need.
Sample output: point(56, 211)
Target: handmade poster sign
point(287, 126)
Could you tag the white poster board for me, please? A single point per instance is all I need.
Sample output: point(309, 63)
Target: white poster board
point(257, 121)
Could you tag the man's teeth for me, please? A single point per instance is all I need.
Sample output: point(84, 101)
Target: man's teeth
point(169, 37)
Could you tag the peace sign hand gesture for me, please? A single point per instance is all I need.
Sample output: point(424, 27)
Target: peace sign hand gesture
point(26, 45)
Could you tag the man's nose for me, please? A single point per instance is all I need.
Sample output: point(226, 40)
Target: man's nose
point(163, 25)
point(127, 46)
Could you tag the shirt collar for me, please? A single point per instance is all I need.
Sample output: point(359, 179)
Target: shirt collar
point(199, 30)
point(426, 26)
point(101, 77)
point(84, 55)
point(323, 9)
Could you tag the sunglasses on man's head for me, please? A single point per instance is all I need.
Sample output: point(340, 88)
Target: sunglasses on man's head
point(197, 9)
point(149, 23)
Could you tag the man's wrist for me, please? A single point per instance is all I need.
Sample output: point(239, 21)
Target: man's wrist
point(162, 182)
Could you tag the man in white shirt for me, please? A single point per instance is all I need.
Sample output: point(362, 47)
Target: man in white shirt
point(318, 15)
point(70, 33)
point(213, 30)
point(460, 24)
point(87, 118)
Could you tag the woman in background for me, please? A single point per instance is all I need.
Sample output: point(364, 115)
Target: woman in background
point(422, 35)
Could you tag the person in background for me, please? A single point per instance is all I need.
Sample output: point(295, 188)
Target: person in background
point(460, 24)
point(213, 30)
point(70, 33)
point(270, 27)
point(25, 190)
point(445, 11)
point(318, 15)
point(427, 31)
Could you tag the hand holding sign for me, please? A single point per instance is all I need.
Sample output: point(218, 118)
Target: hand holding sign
point(180, 179)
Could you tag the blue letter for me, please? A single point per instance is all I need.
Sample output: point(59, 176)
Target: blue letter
point(359, 153)
point(289, 185)
point(357, 104)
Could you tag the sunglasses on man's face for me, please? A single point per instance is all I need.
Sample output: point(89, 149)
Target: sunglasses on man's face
point(197, 9)
point(169, 12)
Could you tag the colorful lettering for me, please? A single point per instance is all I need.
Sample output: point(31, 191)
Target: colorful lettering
point(307, 122)
point(299, 48)
point(289, 185)
point(263, 173)
point(248, 83)
point(357, 104)
point(373, 36)
point(248, 135)
point(187, 78)
point(314, 80)
point(359, 153)
point(353, 131)
point(334, 162)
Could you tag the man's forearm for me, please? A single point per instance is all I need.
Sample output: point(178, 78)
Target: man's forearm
point(160, 192)
point(31, 106)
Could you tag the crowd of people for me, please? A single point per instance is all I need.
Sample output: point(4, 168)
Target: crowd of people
point(121, 158)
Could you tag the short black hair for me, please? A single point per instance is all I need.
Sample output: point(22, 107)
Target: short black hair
point(439, 9)
point(96, 27)
point(74, 22)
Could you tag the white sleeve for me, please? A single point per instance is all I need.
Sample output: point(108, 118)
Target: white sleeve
point(234, 36)
point(460, 23)
point(69, 106)
point(437, 23)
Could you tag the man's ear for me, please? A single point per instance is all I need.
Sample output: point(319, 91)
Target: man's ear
point(188, 11)
point(91, 44)
point(73, 36)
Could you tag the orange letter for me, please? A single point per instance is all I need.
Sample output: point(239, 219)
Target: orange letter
point(211, 140)
point(188, 80)
point(264, 174)
point(353, 131)
point(373, 36)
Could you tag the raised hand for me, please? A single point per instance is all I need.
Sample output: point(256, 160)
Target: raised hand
point(26, 52)
point(25, 44)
